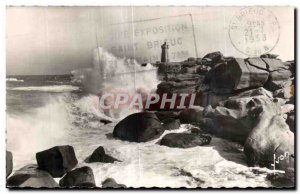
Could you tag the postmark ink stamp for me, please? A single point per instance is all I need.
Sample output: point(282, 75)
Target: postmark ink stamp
point(254, 31)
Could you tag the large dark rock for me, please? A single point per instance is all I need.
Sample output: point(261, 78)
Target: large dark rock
point(184, 140)
point(111, 183)
point(139, 127)
point(99, 155)
point(9, 163)
point(270, 137)
point(235, 74)
point(79, 177)
point(57, 160)
point(31, 176)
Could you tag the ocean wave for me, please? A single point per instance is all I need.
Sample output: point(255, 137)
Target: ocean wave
point(56, 88)
point(13, 80)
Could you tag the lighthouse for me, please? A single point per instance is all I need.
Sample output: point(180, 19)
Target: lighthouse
point(164, 53)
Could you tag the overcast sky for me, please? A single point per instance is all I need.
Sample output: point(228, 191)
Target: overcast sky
point(56, 40)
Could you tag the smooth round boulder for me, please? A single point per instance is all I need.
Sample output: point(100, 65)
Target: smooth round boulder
point(57, 160)
point(111, 183)
point(79, 177)
point(139, 127)
point(185, 140)
point(9, 163)
point(31, 176)
point(99, 155)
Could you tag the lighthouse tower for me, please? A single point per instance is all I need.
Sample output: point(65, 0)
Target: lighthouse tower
point(164, 53)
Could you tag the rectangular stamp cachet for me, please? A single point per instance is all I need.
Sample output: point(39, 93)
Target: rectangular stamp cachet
point(142, 40)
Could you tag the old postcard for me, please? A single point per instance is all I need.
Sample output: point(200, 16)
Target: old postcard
point(150, 97)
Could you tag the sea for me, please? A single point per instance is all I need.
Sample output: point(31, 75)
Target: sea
point(43, 111)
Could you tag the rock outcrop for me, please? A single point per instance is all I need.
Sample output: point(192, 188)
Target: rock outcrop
point(139, 127)
point(99, 155)
point(235, 117)
point(31, 176)
point(270, 137)
point(235, 74)
point(57, 160)
point(249, 101)
point(80, 177)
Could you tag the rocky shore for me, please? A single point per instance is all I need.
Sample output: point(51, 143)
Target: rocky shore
point(249, 101)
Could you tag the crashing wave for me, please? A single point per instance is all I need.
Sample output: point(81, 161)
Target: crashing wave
point(13, 80)
point(57, 88)
point(111, 74)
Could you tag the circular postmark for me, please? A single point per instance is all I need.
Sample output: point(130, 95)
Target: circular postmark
point(254, 31)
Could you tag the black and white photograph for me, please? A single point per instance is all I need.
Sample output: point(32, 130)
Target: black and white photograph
point(150, 97)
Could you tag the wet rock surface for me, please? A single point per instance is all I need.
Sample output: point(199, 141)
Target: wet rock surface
point(99, 155)
point(80, 177)
point(185, 140)
point(139, 127)
point(270, 137)
point(57, 160)
point(31, 176)
point(111, 183)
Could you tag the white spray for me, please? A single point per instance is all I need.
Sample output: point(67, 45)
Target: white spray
point(111, 74)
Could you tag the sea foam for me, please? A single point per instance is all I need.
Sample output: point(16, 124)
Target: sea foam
point(50, 88)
